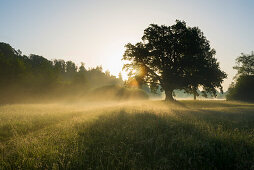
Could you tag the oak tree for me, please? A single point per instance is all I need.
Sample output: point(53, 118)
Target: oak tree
point(175, 57)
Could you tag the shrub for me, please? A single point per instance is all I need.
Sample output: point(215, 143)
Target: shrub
point(115, 92)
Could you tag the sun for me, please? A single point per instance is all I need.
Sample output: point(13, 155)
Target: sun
point(112, 61)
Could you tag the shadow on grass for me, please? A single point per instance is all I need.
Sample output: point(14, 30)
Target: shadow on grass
point(180, 103)
point(214, 104)
point(148, 141)
point(240, 118)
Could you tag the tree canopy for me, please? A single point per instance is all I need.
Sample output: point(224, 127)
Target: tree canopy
point(175, 57)
point(242, 89)
point(245, 64)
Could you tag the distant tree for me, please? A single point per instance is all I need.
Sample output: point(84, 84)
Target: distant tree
point(82, 68)
point(41, 73)
point(175, 57)
point(12, 65)
point(59, 66)
point(120, 77)
point(40, 64)
point(107, 73)
point(245, 64)
point(80, 79)
point(71, 67)
point(35, 77)
point(242, 89)
point(98, 69)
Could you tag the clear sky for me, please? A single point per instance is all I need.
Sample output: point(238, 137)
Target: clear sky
point(95, 31)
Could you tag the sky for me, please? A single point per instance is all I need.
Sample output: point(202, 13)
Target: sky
point(95, 31)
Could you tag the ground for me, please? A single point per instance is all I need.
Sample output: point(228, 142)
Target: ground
point(128, 135)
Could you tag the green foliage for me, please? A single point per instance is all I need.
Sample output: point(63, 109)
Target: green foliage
point(242, 89)
point(175, 57)
point(34, 78)
point(245, 64)
point(183, 95)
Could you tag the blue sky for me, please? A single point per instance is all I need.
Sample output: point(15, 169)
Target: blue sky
point(95, 31)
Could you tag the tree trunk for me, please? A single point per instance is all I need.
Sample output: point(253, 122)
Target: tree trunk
point(195, 96)
point(195, 93)
point(169, 95)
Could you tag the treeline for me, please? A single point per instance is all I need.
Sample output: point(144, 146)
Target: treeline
point(34, 78)
point(29, 78)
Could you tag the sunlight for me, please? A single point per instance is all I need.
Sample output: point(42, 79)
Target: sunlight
point(113, 62)
point(126, 84)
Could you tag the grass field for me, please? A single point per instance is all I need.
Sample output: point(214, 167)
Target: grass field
point(131, 135)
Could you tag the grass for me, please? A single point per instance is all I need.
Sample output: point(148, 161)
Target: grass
point(134, 135)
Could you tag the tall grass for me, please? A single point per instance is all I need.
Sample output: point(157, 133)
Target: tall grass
point(139, 135)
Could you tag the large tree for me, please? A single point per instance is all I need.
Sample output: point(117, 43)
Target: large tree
point(175, 57)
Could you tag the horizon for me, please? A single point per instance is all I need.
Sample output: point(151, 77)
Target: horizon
point(95, 32)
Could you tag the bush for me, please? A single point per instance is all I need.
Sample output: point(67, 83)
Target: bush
point(115, 92)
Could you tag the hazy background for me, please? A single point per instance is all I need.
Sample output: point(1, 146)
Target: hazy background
point(95, 32)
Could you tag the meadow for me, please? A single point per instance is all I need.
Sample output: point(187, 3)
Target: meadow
point(128, 135)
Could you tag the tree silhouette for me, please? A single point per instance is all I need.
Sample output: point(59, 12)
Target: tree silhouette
point(245, 64)
point(175, 57)
point(242, 88)
point(35, 77)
